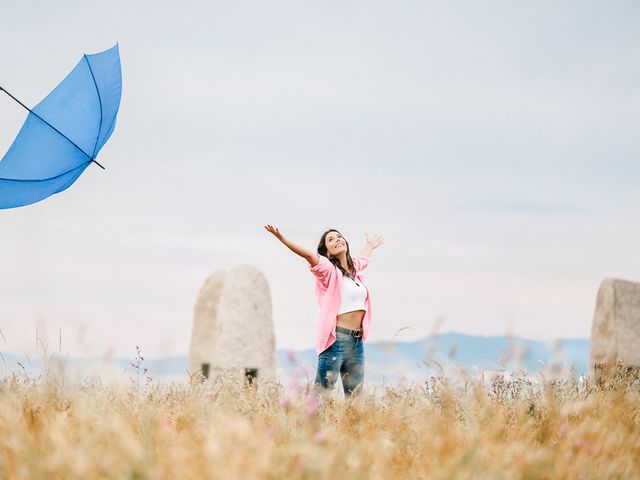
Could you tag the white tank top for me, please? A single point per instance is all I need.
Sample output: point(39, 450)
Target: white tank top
point(353, 295)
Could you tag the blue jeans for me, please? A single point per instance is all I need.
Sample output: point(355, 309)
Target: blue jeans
point(345, 355)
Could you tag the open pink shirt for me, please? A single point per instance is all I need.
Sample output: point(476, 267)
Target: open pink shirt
point(328, 291)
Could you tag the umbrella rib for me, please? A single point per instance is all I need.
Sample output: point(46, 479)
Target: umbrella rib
point(99, 102)
point(43, 179)
point(62, 134)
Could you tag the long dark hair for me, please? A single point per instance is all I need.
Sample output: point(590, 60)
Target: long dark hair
point(322, 250)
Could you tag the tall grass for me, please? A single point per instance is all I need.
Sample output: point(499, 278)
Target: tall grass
point(52, 427)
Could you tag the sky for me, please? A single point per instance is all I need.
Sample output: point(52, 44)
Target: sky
point(493, 145)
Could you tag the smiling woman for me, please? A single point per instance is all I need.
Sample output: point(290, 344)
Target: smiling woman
point(345, 306)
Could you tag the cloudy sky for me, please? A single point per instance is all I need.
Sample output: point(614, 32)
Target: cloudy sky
point(493, 144)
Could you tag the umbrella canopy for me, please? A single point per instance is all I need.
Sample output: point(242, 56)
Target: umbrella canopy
point(63, 134)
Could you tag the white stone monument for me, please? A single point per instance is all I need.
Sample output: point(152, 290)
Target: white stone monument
point(233, 326)
point(615, 332)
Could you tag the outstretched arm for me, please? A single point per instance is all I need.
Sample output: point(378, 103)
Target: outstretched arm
point(371, 244)
point(305, 253)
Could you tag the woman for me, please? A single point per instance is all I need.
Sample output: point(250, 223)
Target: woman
point(345, 306)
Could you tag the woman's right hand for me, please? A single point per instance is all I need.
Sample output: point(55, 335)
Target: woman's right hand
point(308, 255)
point(274, 231)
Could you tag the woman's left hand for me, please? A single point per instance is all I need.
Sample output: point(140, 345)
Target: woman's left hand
point(374, 241)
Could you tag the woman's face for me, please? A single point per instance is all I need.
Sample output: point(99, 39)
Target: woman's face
point(335, 244)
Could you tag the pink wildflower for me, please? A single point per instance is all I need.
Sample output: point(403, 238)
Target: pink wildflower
point(167, 426)
point(320, 436)
point(293, 388)
point(291, 356)
point(310, 405)
point(562, 431)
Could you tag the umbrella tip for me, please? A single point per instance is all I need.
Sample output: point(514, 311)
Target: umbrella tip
point(98, 164)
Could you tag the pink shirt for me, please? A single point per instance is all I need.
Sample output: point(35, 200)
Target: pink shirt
point(328, 288)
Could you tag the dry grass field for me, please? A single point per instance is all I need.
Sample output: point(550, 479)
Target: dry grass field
point(54, 428)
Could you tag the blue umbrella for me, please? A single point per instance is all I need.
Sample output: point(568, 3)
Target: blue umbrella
point(63, 134)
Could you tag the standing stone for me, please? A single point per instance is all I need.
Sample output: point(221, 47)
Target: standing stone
point(233, 326)
point(615, 332)
point(205, 323)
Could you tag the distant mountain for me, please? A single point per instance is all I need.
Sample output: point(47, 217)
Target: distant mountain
point(448, 352)
point(386, 362)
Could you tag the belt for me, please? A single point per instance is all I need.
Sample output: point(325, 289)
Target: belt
point(354, 333)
